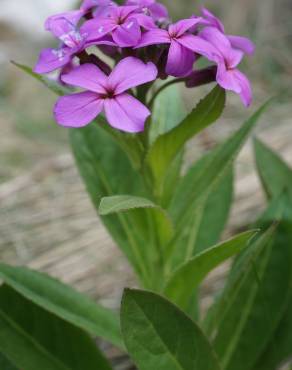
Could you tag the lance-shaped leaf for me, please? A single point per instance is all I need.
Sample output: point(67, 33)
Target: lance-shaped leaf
point(103, 165)
point(5, 364)
point(260, 285)
point(128, 203)
point(186, 278)
point(167, 146)
point(160, 336)
point(216, 166)
point(51, 84)
point(63, 301)
point(33, 339)
point(168, 112)
point(208, 214)
point(275, 174)
point(279, 350)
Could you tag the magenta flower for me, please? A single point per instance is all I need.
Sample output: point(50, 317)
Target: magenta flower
point(156, 10)
point(123, 23)
point(181, 55)
point(108, 94)
point(237, 42)
point(73, 41)
point(227, 59)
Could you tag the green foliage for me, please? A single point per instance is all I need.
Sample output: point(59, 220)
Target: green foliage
point(63, 301)
point(275, 174)
point(33, 339)
point(246, 315)
point(167, 146)
point(160, 336)
point(213, 169)
point(187, 277)
point(168, 112)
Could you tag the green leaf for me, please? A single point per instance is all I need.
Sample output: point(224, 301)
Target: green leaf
point(279, 349)
point(33, 339)
point(208, 215)
point(103, 165)
point(213, 170)
point(168, 111)
point(5, 364)
point(129, 203)
point(259, 284)
point(167, 146)
point(51, 84)
point(275, 174)
point(63, 301)
point(187, 277)
point(123, 203)
point(160, 336)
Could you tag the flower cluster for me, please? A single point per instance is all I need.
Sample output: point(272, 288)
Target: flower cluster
point(144, 46)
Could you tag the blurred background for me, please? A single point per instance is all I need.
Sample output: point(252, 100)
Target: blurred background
point(46, 220)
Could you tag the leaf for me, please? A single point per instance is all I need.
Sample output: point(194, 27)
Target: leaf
point(167, 146)
point(275, 174)
point(168, 111)
point(63, 301)
point(129, 203)
point(33, 339)
point(279, 349)
point(259, 284)
point(5, 364)
point(214, 169)
point(208, 214)
point(51, 84)
point(123, 203)
point(187, 277)
point(160, 336)
point(103, 165)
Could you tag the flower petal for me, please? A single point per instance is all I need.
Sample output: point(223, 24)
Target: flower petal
point(126, 113)
point(242, 43)
point(145, 21)
point(181, 27)
point(63, 23)
point(220, 41)
point(213, 20)
point(52, 59)
point(127, 34)
point(180, 60)
point(154, 37)
point(77, 110)
point(227, 79)
point(158, 11)
point(199, 46)
point(131, 72)
point(87, 76)
point(246, 91)
point(95, 29)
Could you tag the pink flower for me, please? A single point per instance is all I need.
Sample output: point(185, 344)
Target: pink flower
point(227, 58)
point(181, 55)
point(73, 41)
point(156, 10)
point(108, 94)
point(123, 23)
point(237, 42)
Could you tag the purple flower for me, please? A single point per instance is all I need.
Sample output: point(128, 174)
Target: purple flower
point(227, 59)
point(237, 42)
point(181, 55)
point(108, 94)
point(156, 10)
point(73, 41)
point(123, 23)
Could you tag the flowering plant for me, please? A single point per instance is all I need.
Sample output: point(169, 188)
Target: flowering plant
point(129, 134)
